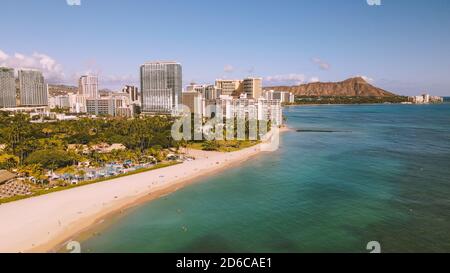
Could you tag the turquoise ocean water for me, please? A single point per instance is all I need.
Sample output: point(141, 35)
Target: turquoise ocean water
point(353, 174)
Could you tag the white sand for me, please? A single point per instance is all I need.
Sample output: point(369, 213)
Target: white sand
point(38, 224)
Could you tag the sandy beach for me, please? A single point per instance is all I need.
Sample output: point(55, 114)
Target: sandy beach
point(40, 223)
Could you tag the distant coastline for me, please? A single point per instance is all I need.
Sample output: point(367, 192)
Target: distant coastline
point(319, 100)
point(336, 100)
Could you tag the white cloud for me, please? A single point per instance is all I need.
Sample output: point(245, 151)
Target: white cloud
point(19, 56)
point(54, 73)
point(106, 81)
point(366, 78)
point(51, 69)
point(73, 2)
point(286, 79)
point(114, 80)
point(314, 79)
point(322, 64)
point(3, 56)
point(228, 68)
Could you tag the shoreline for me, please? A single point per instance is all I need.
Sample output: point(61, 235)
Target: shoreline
point(107, 220)
point(347, 104)
point(45, 223)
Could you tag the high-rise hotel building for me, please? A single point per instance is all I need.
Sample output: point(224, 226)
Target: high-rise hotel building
point(88, 87)
point(33, 90)
point(209, 92)
point(229, 87)
point(7, 88)
point(161, 87)
point(253, 88)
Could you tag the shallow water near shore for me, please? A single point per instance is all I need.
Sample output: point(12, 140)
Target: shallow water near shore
point(346, 175)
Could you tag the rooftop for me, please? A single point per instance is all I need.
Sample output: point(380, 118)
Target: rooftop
point(29, 70)
point(227, 80)
point(6, 69)
point(161, 62)
point(5, 176)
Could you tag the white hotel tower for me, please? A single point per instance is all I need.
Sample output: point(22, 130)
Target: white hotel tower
point(88, 87)
point(161, 87)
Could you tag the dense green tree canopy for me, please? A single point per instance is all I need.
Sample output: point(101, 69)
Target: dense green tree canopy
point(23, 138)
point(50, 159)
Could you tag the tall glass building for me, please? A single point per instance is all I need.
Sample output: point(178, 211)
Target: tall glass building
point(33, 91)
point(7, 88)
point(161, 87)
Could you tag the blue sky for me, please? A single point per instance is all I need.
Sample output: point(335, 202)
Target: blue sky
point(402, 45)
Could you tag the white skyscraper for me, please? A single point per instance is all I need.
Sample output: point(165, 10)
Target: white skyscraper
point(88, 87)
